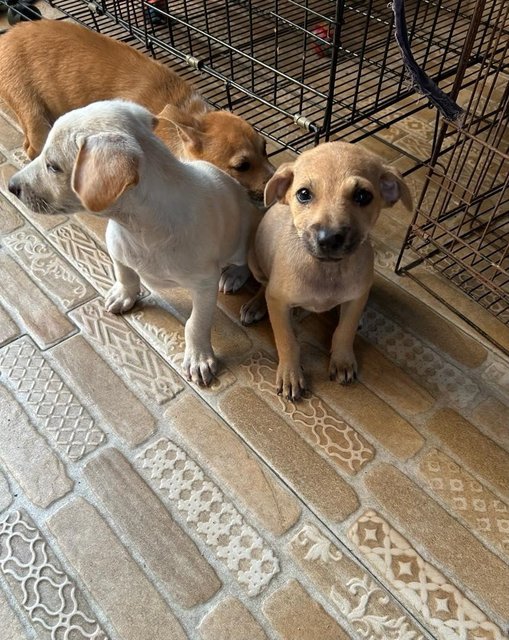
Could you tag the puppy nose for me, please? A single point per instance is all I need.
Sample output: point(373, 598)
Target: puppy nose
point(14, 187)
point(331, 240)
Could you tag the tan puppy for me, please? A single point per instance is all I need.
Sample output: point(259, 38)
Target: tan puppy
point(50, 67)
point(312, 249)
point(170, 223)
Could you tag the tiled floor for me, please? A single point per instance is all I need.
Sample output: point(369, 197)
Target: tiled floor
point(134, 506)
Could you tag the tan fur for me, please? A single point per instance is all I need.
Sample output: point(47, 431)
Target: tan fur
point(295, 267)
point(50, 67)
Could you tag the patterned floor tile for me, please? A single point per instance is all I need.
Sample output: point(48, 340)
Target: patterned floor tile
point(85, 254)
point(217, 522)
point(421, 585)
point(449, 543)
point(11, 626)
point(253, 485)
point(493, 415)
point(168, 552)
point(143, 367)
point(300, 466)
point(5, 494)
point(51, 601)
point(27, 456)
point(50, 271)
point(485, 513)
point(477, 452)
point(361, 600)
point(412, 354)
point(312, 418)
point(54, 407)
point(101, 388)
point(130, 601)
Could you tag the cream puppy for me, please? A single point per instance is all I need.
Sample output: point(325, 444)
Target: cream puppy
point(172, 223)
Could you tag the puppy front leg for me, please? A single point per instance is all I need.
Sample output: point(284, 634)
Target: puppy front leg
point(343, 365)
point(122, 295)
point(289, 379)
point(200, 364)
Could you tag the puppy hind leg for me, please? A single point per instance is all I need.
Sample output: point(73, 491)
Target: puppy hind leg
point(343, 365)
point(200, 365)
point(36, 127)
point(255, 309)
point(123, 294)
point(233, 277)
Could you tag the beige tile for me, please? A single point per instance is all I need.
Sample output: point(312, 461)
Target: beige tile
point(230, 619)
point(40, 220)
point(465, 496)
point(390, 382)
point(420, 318)
point(418, 583)
point(49, 598)
point(96, 225)
point(207, 511)
point(5, 494)
point(85, 254)
point(167, 551)
point(282, 448)
point(51, 403)
point(449, 543)
point(349, 588)
point(251, 483)
point(45, 323)
point(10, 136)
point(364, 408)
point(47, 268)
point(493, 415)
point(10, 218)
point(100, 386)
point(294, 614)
point(8, 328)
point(476, 452)
point(130, 601)
point(143, 367)
point(312, 418)
point(26, 455)
point(427, 366)
point(11, 626)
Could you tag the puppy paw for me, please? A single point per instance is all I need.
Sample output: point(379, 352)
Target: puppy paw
point(233, 278)
point(199, 368)
point(290, 382)
point(343, 367)
point(253, 311)
point(120, 299)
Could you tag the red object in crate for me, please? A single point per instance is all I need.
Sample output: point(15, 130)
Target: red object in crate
point(325, 32)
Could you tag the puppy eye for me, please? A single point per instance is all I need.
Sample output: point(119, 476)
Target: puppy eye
point(304, 196)
point(53, 168)
point(362, 197)
point(243, 166)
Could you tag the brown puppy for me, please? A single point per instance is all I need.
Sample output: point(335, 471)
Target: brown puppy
point(312, 249)
point(50, 67)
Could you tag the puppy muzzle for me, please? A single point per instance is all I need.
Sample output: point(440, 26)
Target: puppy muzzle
point(331, 244)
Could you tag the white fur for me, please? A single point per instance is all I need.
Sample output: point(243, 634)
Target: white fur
point(180, 225)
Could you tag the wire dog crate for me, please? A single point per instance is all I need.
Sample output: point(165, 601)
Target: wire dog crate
point(461, 225)
point(301, 72)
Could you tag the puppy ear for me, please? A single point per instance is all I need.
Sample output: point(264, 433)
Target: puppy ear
point(107, 165)
point(394, 188)
point(277, 187)
point(186, 127)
